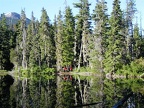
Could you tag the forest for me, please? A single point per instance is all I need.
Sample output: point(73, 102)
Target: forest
point(95, 42)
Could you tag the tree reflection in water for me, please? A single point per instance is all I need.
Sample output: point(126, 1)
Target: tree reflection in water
point(5, 83)
point(66, 91)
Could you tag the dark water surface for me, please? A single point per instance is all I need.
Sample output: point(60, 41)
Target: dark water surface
point(66, 91)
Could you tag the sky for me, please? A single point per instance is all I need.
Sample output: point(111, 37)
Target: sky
point(53, 6)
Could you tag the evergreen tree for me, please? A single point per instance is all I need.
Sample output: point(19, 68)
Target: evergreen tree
point(68, 38)
point(78, 34)
point(45, 40)
point(137, 42)
point(82, 33)
point(53, 48)
point(13, 37)
point(24, 36)
point(33, 43)
point(115, 54)
point(4, 45)
point(141, 48)
point(16, 53)
point(98, 41)
point(130, 12)
point(35, 53)
point(58, 40)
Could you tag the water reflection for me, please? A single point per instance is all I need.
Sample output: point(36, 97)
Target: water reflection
point(5, 96)
point(67, 91)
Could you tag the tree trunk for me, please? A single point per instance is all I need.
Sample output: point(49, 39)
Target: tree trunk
point(80, 57)
point(24, 61)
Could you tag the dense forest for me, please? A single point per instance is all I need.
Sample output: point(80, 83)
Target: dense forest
point(98, 41)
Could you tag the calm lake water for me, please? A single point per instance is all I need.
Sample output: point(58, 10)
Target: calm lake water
point(67, 91)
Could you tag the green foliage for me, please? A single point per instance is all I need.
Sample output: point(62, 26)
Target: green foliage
point(82, 34)
point(34, 72)
point(5, 45)
point(44, 70)
point(134, 69)
point(58, 39)
point(66, 99)
point(137, 41)
point(43, 45)
point(115, 55)
point(3, 72)
point(33, 46)
point(45, 40)
point(49, 70)
point(83, 69)
point(115, 90)
point(68, 38)
point(136, 85)
point(98, 43)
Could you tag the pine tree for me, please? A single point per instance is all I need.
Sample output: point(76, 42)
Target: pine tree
point(130, 12)
point(58, 40)
point(53, 45)
point(35, 53)
point(82, 33)
point(68, 38)
point(78, 34)
point(137, 42)
point(45, 39)
point(32, 43)
point(98, 41)
point(4, 45)
point(115, 54)
point(16, 53)
point(24, 35)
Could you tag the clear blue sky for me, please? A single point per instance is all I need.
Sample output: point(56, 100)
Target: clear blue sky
point(53, 6)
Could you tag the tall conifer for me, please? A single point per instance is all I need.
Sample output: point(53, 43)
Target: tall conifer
point(32, 43)
point(24, 40)
point(82, 33)
point(137, 42)
point(130, 13)
point(4, 44)
point(45, 39)
point(98, 40)
point(115, 54)
point(68, 38)
point(58, 40)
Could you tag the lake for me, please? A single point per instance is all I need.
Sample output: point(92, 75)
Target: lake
point(69, 91)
